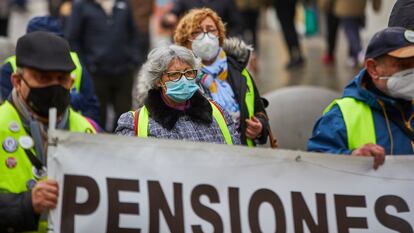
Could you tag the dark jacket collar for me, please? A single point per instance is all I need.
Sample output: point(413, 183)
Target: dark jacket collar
point(200, 110)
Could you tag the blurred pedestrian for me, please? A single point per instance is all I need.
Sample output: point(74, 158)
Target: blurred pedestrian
point(226, 9)
point(224, 77)
point(82, 96)
point(374, 116)
point(4, 16)
point(332, 26)
point(286, 11)
point(250, 11)
point(402, 14)
point(104, 35)
point(142, 11)
point(42, 81)
point(21, 13)
point(62, 10)
point(352, 16)
point(173, 106)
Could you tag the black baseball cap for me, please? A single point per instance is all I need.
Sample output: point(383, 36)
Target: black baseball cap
point(395, 41)
point(44, 51)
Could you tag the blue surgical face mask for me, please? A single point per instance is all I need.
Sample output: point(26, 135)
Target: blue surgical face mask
point(182, 90)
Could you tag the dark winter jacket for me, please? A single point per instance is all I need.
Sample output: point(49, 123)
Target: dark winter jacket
point(226, 9)
point(108, 45)
point(402, 14)
point(237, 58)
point(330, 135)
point(16, 212)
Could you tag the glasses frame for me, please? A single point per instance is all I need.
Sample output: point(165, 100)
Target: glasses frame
point(182, 73)
point(211, 33)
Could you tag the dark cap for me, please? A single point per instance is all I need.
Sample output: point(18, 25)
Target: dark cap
point(44, 51)
point(394, 41)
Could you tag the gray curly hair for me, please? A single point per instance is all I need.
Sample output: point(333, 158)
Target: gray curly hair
point(157, 62)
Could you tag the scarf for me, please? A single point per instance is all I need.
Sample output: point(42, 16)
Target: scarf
point(214, 79)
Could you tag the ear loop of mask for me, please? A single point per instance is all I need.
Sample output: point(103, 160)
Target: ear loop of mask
point(24, 80)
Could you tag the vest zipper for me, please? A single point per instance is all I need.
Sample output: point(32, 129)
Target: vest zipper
point(408, 125)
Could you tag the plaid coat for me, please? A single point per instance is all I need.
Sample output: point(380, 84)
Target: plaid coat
point(193, 124)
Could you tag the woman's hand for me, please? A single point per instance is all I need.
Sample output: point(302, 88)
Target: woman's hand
point(254, 128)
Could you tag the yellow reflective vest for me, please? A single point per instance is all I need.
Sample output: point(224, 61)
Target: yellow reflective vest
point(16, 179)
point(249, 100)
point(143, 121)
point(359, 122)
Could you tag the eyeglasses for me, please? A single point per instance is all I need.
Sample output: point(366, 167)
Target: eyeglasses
point(200, 34)
point(175, 76)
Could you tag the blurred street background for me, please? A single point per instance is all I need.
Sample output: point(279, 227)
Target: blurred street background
point(273, 65)
point(272, 54)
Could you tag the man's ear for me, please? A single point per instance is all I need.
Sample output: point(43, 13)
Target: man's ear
point(372, 68)
point(16, 80)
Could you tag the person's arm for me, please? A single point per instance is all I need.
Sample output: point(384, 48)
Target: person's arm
point(126, 125)
point(134, 41)
point(21, 211)
point(16, 212)
point(74, 31)
point(329, 134)
point(86, 100)
point(5, 82)
point(261, 115)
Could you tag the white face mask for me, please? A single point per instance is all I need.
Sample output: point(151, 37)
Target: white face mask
point(206, 46)
point(401, 85)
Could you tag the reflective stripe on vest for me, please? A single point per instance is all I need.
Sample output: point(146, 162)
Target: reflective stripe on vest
point(143, 121)
point(359, 121)
point(249, 100)
point(77, 73)
point(15, 180)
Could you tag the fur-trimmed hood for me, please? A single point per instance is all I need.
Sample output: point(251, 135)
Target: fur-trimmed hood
point(233, 47)
point(238, 50)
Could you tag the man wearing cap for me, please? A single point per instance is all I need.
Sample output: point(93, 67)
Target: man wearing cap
point(82, 96)
point(375, 115)
point(42, 81)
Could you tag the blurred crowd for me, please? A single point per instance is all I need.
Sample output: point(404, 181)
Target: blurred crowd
point(112, 38)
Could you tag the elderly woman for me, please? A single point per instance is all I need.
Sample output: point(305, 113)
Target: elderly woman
point(223, 75)
point(173, 106)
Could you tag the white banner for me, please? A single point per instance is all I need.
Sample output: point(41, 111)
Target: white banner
point(125, 184)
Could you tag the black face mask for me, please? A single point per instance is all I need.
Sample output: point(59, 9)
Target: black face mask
point(40, 99)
